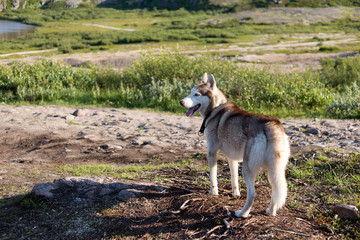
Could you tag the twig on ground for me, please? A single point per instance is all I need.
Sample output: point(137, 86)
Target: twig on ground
point(245, 224)
point(209, 232)
point(303, 220)
point(183, 206)
point(225, 221)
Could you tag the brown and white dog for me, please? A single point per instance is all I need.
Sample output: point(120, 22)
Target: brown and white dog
point(259, 141)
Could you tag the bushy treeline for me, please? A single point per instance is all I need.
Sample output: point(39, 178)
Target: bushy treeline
point(160, 81)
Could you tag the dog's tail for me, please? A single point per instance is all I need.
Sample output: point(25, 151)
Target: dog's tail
point(278, 152)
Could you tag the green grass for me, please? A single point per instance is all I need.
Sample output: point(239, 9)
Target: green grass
point(128, 172)
point(329, 178)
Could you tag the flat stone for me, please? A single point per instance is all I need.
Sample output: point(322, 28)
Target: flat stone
point(312, 131)
point(125, 195)
point(106, 191)
point(91, 190)
point(70, 117)
point(43, 190)
point(117, 186)
point(348, 212)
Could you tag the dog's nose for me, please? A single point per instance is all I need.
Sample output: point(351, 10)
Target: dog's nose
point(182, 103)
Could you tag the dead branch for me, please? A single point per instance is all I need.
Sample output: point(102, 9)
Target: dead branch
point(225, 221)
point(183, 206)
point(209, 232)
point(247, 223)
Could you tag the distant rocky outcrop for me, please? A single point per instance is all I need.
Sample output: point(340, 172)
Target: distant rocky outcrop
point(15, 4)
point(2, 4)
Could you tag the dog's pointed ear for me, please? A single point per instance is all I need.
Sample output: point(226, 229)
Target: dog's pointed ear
point(211, 82)
point(204, 78)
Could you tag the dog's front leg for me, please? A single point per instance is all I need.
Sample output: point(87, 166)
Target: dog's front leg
point(213, 173)
point(234, 171)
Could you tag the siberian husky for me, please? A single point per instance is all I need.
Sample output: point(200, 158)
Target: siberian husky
point(259, 141)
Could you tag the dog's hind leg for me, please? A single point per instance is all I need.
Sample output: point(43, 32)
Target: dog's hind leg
point(277, 180)
point(213, 173)
point(234, 171)
point(249, 177)
point(252, 163)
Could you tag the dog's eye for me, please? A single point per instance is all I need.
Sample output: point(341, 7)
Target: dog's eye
point(197, 94)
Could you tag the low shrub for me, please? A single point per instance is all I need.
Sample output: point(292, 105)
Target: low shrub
point(159, 81)
point(341, 72)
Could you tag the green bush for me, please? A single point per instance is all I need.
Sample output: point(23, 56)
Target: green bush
point(341, 72)
point(329, 49)
point(346, 105)
point(55, 5)
point(160, 81)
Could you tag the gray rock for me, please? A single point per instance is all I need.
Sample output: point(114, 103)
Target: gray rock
point(348, 212)
point(125, 195)
point(15, 4)
point(90, 190)
point(78, 113)
point(2, 6)
point(357, 132)
point(352, 129)
point(70, 117)
point(106, 191)
point(118, 186)
point(312, 131)
point(72, 3)
point(43, 190)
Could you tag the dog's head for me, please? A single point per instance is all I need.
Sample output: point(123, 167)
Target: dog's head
point(204, 97)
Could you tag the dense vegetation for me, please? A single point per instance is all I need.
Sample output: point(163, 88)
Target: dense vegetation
point(159, 81)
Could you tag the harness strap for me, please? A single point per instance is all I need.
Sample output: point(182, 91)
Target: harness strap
point(203, 125)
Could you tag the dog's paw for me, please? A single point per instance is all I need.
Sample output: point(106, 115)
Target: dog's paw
point(270, 213)
point(214, 192)
point(236, 194)
point(241, 214)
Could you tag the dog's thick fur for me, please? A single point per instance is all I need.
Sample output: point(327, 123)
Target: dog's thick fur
point(259, 141)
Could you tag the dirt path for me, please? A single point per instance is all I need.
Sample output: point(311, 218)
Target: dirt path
point(257, 54)
point(28, 52)
point(140, 132)
point(109, 27)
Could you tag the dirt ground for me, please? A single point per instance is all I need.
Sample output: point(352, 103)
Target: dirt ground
point(37, 140)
